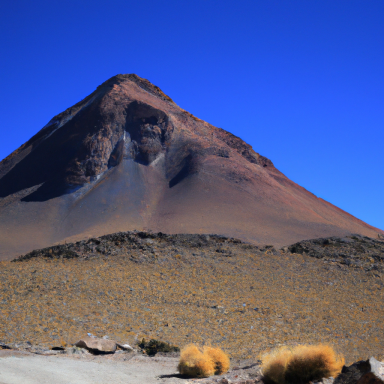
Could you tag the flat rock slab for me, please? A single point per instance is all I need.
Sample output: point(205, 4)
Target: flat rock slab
point(37, 369)
point(95, 344)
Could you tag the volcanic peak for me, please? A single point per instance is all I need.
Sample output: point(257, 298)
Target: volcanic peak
point(141, 82)
point(117, 121)
point(127, 157)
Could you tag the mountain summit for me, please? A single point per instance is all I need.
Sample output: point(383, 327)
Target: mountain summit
point(127, 157)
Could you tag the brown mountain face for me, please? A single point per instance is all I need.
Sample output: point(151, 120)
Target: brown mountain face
point(127, 157)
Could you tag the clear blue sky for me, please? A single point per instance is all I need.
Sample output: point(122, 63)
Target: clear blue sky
point(301, 81)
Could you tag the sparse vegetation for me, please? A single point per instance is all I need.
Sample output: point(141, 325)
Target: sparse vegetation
point(301, 364)
point(202, 362)
point(137, 288)
point(154, 346)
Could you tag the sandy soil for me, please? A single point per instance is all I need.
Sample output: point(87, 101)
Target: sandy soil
point(25, 368)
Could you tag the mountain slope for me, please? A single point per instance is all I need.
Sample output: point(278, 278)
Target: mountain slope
point(127, 157)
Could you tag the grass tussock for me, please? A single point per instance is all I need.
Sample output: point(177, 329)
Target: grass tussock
point(301, 364)
point(202, 362)
point(220, 359)
point(194, 363)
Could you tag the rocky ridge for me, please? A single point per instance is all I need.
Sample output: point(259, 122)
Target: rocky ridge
point(141, 246)
point(355, 251)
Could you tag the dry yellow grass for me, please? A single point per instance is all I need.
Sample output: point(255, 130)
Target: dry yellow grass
point(301, 364)
point(195, 363)
point(203, 362)
point(275, 363)
point(220, 359)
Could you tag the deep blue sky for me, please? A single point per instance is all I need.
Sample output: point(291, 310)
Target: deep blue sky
point(301, 81)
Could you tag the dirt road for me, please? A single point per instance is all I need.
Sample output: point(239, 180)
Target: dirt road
point(25, 368)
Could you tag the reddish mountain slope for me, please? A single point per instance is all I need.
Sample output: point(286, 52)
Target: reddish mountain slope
point(127, 157)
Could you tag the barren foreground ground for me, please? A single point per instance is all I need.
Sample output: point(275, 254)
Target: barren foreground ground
point(239, 297)
point(124, 368)
point(33, 369)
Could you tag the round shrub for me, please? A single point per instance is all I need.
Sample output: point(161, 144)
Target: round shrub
point(194, 363)
point(301, 364)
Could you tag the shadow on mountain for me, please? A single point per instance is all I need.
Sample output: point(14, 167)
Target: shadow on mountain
point(49, 161)
point(49, 190)
point(184, 172)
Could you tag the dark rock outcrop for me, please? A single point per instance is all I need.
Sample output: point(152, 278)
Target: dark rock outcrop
point(362, 372)
point(124, 243)
point(355, 251)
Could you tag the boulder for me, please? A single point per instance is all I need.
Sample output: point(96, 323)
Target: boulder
point(96, 345)
point(363, 372)
point(125, 347)
point(77, 351)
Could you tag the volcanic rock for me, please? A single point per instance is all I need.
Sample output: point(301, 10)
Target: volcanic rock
point(362, 372)
point(356, 251)
point(128, 158)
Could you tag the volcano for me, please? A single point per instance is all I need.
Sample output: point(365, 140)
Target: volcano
point(128, 158)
